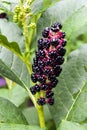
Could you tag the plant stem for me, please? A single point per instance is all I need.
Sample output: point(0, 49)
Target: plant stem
point(40, 112)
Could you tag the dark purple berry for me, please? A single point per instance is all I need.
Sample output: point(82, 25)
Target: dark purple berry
point(59, 60)
point(45, 33)
point(41, 64)
point(54, 42)
point(38, 70)
point(55, 27)
point(64, 43)
point(51, 77)
point(61, 51)
point(57, 70)
point(34, 78)
point(49, 62)
point(47, 71)
point(53, 54)
point(44, 87)
point(37, 87)
point(33, 90)
point(40, 43)
point(50, 101)
point(46, 43)
point(37, 54)
point(41, 101)
point(42, 53)
point(35, 61)
point(49, 94)
point(54, 83)
point(41, 79)
point(63, 34)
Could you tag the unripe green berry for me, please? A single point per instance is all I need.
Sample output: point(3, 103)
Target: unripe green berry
point(27, 9)
point(20, 16)
point(17, 9)
point(15, 18)
point(32, 25)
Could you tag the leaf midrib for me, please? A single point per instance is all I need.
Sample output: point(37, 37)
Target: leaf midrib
point(80, 90)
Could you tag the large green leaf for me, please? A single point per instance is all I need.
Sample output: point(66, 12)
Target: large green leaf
point(39, 6)
point(16, 94)
point(12, 46)
point(10, 65)
point(9, 113)
point(71, 92)
point(13, 68)
point(75, 22)
point(12, 32)
point(66, 125)
point(32, 117)
point(73, 16)
point(5, 126)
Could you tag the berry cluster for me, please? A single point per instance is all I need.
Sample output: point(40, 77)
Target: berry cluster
point(47, 63)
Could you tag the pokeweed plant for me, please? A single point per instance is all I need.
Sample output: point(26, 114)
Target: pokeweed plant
point(32, 47)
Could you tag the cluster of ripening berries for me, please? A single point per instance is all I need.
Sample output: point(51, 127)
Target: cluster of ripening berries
point(47, 63)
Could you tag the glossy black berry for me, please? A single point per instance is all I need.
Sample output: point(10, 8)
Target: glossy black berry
point(45, 33)
point(41, 101)
point(57, 70)
point(33, 90)
point(44, 87)
point(34, 78)
point(63, 34)
point(64, 43)
point(41, 64)
point(54, 42)
point(41, 53)
point(37, 54)
point(49, 62)
point(50, 101)
point(41, 79)
point(37, 88)
point(53, 54)
point(38, 70)
point(40, 43)
point(51, 77)
point(46, 43)
point(47, 71)
point(55, 27)
point(35, 61)
point(54, 83)
point(59, 60)
point(61, 51)
point(49, 94)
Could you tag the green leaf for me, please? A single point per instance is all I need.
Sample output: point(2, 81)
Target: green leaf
point(16, 94)
point(10, 65)
point(12, 32)
point(32, 117)
point(39, 6)
point(6, 126)
point(72, 16)
point(71, 92)
point(13, 68)
point(75, 22)
point(66, 125)
point(12, 46)
point(9, 113)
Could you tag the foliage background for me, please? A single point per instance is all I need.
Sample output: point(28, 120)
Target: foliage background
point(70, 109)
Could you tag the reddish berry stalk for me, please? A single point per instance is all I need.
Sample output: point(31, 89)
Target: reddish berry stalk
point(47, 63)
